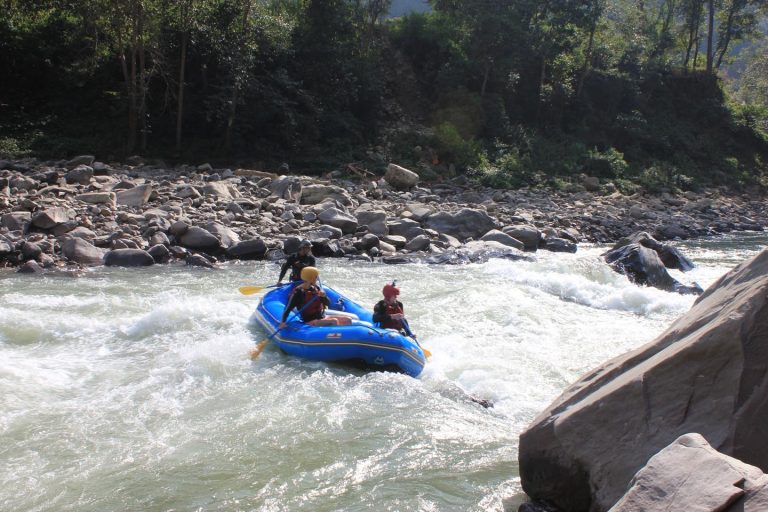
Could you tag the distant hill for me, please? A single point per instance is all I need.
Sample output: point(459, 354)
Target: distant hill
point(401, 7)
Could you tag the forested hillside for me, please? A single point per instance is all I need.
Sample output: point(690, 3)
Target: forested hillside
point(508, 92)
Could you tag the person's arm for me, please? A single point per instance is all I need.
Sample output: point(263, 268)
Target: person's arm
point(285, 268)
point(294, 302)
point(379, 313)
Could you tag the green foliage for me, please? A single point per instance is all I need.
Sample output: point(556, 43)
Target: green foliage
point(453, 148)
point(11, 147)
point(606, 164)
point(518, 92)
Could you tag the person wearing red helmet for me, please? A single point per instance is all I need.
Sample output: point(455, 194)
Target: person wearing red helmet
point(389, 313)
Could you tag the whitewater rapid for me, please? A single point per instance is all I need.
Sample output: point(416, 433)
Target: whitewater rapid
point(132, 390)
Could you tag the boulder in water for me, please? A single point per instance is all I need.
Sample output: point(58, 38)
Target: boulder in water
point(670, 256)
point(644, 267)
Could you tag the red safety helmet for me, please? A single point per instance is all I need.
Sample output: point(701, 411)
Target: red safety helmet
point(390, 290)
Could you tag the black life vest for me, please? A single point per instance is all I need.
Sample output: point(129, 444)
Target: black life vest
point(312, 304)
point(298, 266)
point(392, 309)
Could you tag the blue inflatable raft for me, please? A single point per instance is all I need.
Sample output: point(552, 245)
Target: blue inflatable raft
point(361, 343)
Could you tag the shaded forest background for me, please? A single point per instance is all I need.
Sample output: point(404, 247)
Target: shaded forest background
point(659, 94)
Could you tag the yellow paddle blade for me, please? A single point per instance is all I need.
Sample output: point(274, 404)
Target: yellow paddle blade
point(250, 290)
point(427, 353)
point(256, 352)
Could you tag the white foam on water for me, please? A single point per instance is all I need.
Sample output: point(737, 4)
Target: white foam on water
point(133, 389)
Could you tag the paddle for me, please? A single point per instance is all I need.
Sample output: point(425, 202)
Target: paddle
point(256, 352)
point(250, 290)
point(408, 332)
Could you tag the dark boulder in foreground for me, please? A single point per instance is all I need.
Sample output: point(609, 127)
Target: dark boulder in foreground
point(708, 373)
point(691, 475)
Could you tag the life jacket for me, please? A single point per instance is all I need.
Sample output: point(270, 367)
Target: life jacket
point(298, 265)
point(314, 310)
point(392, 309)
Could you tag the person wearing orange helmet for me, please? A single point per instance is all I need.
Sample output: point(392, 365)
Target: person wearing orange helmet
point(389, 313)
point(310, 300)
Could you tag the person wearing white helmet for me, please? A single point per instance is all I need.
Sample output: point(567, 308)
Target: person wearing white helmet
point(297, 261)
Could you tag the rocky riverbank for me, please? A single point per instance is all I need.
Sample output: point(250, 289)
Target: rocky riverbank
point(82, 212)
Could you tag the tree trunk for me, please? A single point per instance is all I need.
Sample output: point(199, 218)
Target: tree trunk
point(587, 59)
point(693, 32)
point(710, 35)
point(142, 93)
point(132, 104)
point(542, 76)
point(696, 43)
point(735, 5)
point(486, 73)
point(236, 85)
point(180, 107)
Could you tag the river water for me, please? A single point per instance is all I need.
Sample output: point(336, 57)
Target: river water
point(132, 389)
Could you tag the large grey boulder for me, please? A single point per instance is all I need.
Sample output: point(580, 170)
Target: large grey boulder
point(80, 175)
point(128, 258)
point(17, 221)
point(691, 475)
point(226, 236)
point(134, 197)
point(339, 219)
point(248, 250)
point(400, 177)
point(466, 223)
point(6, 248)
point(30, 267)
point(419, 211)
point(198, 238)
point(708, 373)
point(287, 187)
point(187, 191)
point(420, 243)
point(529, 235)
point(644, 267)
point(51, 217)
point(495, 235)
point(405, 227)
point(81, 251)
point(220, 190)
point(97, 197)
point(159, 253)
point(376, 220)
point(316, 194)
